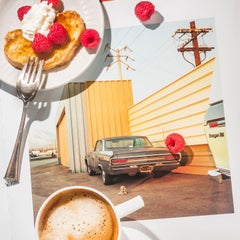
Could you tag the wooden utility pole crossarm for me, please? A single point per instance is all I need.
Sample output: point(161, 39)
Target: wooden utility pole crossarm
point(195, 48)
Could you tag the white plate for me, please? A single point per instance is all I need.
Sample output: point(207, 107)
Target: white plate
point(92, 14)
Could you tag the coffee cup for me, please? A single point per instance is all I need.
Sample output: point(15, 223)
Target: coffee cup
point(79, 212)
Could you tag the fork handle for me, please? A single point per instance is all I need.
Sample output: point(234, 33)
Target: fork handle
point(12, 175)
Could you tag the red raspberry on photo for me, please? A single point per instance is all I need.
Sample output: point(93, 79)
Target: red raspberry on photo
point(22, 11)
point(175, 142)
point(90, 38)
point(58, 35)
point(54, 2)
point(144, 10)
point(41, 44)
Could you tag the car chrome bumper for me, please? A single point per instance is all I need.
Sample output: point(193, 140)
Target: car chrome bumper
point(115, 170)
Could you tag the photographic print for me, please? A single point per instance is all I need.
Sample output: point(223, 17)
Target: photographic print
point(148, 120)
point(156, 82)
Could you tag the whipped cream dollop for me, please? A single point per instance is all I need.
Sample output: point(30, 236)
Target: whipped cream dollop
point(39, 19)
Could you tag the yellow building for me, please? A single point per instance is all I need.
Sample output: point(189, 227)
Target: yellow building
point(178, 107)
point(88, 111)
point(97, 109)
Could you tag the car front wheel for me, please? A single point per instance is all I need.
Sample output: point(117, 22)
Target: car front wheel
point(107, 178)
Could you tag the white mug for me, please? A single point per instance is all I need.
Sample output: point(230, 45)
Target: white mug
point(80, 212)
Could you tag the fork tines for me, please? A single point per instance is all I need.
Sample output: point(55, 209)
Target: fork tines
point(33, 67)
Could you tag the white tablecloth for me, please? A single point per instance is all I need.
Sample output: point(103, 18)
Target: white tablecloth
point(16, 218)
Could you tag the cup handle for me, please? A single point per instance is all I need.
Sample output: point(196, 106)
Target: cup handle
point(129, 206)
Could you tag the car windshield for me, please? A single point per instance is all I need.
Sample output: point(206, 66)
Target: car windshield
point(128, 143)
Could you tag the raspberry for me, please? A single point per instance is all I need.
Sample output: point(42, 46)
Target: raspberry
point(41, 44)
point(144, 10)
point(90, 38)
point(22, 11)
point(53, 2)
point(175, 142)
point(58, 35)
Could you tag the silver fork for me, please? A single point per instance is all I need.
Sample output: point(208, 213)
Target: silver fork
point(27, 87)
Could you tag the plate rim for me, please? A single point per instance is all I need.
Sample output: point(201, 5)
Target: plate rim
point(92, 58)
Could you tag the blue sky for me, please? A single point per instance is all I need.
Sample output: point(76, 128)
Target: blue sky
point(156, 59)
point(156, 62)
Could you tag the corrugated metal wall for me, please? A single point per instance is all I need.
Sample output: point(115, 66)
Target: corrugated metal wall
point(179, 107)
point(94, 109)
point(107, 104)
point(71, 106)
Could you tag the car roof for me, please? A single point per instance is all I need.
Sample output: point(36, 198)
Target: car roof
point(121, 137)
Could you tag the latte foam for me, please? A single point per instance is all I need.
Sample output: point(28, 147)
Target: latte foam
point(80, 216)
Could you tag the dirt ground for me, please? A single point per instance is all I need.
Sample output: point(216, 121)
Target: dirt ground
point(175, 194)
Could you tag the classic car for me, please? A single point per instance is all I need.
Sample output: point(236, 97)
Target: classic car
point(128, 155)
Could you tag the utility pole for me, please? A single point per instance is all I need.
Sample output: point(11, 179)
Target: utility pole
point(195, 48)
point(119, 57)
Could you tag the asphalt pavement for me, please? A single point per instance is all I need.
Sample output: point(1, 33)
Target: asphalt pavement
point(181, 193)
